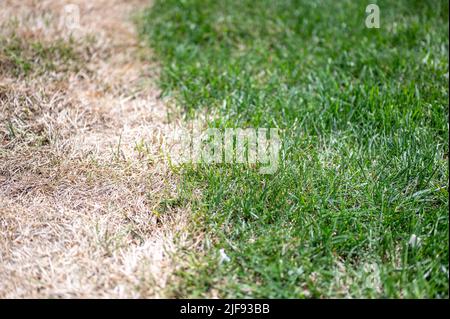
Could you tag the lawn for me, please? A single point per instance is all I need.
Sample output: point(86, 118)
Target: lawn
point(359, 204)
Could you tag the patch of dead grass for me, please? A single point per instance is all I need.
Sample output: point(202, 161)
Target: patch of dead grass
point(79, 193)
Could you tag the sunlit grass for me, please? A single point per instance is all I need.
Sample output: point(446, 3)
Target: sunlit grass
point(364, 116)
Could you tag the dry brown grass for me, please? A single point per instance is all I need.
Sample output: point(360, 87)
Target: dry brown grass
point(81, 172)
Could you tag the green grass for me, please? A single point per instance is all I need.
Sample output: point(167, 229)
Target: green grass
point(364, 120)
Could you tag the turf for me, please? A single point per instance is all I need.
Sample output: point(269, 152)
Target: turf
point(364, 162)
